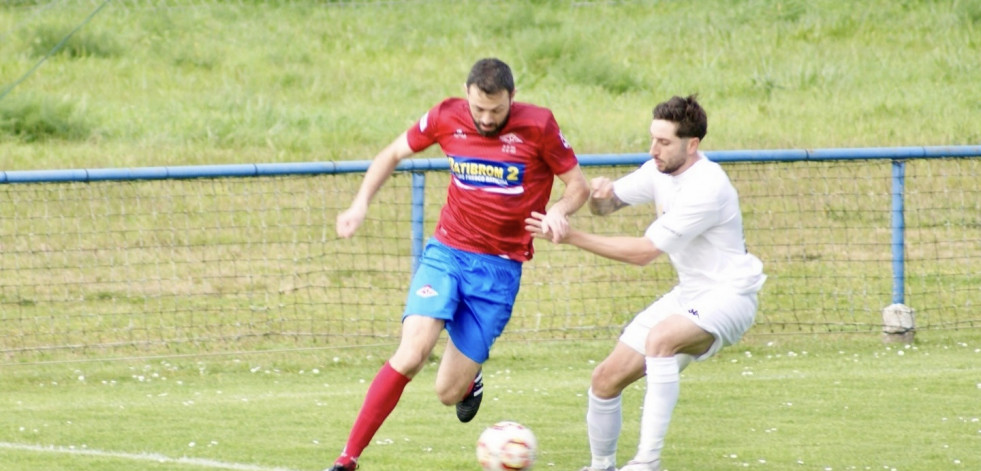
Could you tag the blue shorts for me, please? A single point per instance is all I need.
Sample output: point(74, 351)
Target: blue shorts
point(473, 293)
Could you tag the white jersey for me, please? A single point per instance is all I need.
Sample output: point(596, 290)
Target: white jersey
point(699, 225)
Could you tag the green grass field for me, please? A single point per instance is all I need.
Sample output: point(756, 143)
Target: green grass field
point(185, 82)
point(769, 403)
point(202, 82)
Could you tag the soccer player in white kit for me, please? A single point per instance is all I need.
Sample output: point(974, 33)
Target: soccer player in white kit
point(699, 226)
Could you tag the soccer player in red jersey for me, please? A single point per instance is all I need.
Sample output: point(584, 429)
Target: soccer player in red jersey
point(503, 157)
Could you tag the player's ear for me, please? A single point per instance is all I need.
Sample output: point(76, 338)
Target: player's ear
point(693, 144)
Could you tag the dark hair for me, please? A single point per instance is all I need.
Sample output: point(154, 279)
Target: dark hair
point(491, 76)
point(687, 113)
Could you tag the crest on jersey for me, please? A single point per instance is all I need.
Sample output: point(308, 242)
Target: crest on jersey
point(426, 292)
point(511, 138)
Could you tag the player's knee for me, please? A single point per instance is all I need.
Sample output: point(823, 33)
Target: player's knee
point(450, 394)
point(448, 399)
point(660, 344)
point(408, 362)
point(603, 384)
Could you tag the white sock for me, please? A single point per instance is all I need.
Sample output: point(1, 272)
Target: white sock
point(603, 422)
point(663, 387)
point(684, 360)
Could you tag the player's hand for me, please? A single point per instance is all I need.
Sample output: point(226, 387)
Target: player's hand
point(349, 221)
point(556, 224)
point(602, 188)
point(602, 199)
point(545, 226)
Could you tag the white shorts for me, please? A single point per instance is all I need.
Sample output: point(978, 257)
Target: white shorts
point(724, 314)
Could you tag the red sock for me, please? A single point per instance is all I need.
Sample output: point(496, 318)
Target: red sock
point(379, 402)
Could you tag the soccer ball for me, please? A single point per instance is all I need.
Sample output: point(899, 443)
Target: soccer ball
point(506, 446)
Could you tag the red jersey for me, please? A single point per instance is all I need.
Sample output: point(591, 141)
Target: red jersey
point(495, 181)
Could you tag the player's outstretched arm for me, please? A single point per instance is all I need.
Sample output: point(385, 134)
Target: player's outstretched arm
point(633, 250)
point(556, 220)
point(382, 166)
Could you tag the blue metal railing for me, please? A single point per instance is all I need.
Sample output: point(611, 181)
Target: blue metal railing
point(422, 165)
point(417, 167)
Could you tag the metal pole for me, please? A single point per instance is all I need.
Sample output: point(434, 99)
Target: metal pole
point(898, 231)
point(418, 216)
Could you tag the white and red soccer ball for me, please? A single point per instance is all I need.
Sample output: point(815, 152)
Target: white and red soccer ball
point(507, 446)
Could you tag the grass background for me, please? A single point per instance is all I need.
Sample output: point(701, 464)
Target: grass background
point(196, 82)
point(770, 403)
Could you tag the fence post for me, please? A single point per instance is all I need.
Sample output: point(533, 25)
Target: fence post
point(898, 324)
point(418, 216)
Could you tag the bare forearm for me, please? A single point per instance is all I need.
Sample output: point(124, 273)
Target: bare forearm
point(632, 250)
point(381, 168)
point(570, 202)
point(378, 172)
point(574, 195)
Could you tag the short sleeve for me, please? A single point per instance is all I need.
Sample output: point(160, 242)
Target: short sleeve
point(423, 133)
point(637, 187)
point(557, 151)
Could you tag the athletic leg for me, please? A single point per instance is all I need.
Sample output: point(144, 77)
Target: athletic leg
point(460, 382)
point(604, 415)
point(673, 335)
point(488, 287)
point(419, 335)
point(670, 333)
point(454, 379)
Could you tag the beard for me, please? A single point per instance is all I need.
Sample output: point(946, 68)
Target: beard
point(666, 167)
point(493, 131)
point(669, 167)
